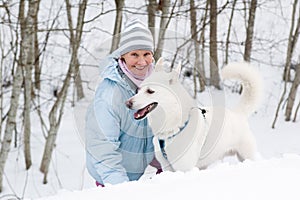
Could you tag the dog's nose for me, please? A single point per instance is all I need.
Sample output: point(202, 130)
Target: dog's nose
point(128, 104)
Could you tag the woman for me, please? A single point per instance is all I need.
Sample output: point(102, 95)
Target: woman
point(119, 148)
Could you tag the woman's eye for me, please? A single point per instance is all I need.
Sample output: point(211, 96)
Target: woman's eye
point(134, 54)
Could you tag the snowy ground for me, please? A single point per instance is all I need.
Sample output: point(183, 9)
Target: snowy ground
point(276, 176)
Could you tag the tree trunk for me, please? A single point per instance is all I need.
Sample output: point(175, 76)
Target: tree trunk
point(28, 45)
point(78, 82)
point(296, 112)
point(288, 60)
point(162, 28)
point(1, 88)
point(229, 31)
point(37, 69)
point(293, 37)
point(78, 91)
point(58, 107)
point(118, 24)
point(14, 104)
point(198, 68)
point(292, 94)
point(152, 7)
point(213, 48)
point(203, 46)
point(250, 30)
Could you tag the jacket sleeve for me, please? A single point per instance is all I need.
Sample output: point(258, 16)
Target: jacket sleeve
point(102, 141)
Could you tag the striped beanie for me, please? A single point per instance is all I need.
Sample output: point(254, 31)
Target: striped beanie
point(135, 36)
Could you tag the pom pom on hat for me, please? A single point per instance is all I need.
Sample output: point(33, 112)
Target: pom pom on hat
point(135, 36)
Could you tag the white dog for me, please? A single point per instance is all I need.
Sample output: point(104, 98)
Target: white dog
point(187, 136)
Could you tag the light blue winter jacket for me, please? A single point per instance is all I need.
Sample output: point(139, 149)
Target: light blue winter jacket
point(118, 147)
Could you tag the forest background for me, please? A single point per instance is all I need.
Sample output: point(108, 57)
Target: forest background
point(50, 52)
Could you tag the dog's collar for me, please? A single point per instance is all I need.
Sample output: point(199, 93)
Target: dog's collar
point(162, 141)
point(180, 129)
point(203, 112)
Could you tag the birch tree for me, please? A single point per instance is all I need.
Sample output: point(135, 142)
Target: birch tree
point(202, 41)
point(250, 31)
point(292, 94)
point(1, 88)
point(56, 112)
point(29, 45)
point(198, 68)
point(14, 105)
point(118, 24)
point(229, 31)
point(151, 8)
point(164, 19)
point(293, 37)
point(292, 40)
point(213, 47)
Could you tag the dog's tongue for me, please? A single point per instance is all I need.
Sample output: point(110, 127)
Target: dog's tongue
point(140, 113)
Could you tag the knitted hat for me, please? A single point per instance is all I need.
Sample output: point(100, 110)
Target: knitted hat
point(135, 36)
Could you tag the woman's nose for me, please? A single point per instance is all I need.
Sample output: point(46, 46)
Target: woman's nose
point(142, 61)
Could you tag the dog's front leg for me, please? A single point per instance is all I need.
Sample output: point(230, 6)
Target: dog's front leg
point(165, 164)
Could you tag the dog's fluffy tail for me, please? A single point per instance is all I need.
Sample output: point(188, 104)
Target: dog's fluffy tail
point(251, 82)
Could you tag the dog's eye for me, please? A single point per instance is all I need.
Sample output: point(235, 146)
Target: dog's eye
point(149, 91)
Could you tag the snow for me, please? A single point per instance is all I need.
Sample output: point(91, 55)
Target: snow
point(275, 176)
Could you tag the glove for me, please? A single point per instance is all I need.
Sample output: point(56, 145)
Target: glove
point(156, 164)
point(159, 171)
point(99, 184)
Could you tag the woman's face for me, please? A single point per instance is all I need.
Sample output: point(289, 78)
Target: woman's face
point(138, 61)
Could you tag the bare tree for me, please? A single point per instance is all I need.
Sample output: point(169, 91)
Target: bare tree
point(296, 112)
point(250, 31)
point(213, 47)
point(229, 31)
point(165, 17)
point(151, 8)
point(198, 68)
point(37, 69)
point(292, 94)
point(14, 104)
point(292, 42)
point(118, 24)
point(293, 37)
point(202, 42)
point(1, 88)
point(56, 112)
point(28, 44)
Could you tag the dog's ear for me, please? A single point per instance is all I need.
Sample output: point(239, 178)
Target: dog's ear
point(175, 74)
point(159, 65)
point(178, 68)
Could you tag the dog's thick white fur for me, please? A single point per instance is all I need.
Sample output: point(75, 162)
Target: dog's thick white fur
point(185, 137)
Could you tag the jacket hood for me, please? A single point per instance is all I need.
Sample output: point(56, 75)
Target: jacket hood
point(109, 70)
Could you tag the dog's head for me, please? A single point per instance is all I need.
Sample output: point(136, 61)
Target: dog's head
point(156, 90)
